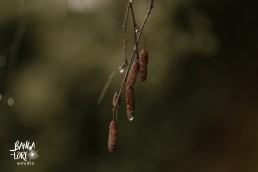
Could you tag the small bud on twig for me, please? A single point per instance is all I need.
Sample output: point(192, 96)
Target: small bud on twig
point(116, 100)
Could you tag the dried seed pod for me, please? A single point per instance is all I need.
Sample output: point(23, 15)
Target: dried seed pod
point(143, 64)
point(133, 74)
point(116, 100)
point(112, 138)
point(130, 102)
point(144, 57)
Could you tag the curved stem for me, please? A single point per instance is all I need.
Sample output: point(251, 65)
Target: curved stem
point(134, 50)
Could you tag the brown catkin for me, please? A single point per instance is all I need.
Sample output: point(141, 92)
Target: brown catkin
point(112, 138)
point(116, 99)
point(143, 64)
point(133, 74)
point(130, 102)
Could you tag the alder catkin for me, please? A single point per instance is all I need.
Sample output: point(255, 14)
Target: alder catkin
point(133, 74)
point(112, 138)
point(116, 99)
point(143, 64)
point(130, 102)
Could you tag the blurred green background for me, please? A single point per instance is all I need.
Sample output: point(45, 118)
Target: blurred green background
point(196, 112)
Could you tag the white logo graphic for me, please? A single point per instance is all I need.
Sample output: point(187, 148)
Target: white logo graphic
point(24, 152)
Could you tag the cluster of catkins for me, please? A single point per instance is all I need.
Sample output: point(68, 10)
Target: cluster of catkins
point(138, 66)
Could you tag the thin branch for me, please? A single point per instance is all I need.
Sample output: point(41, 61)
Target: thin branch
point(134, 28)
point(147, 14)
point(134, 50)
point(126, 18)
point(110, 78)
point(104, 90)
point(125, 31)
point(125, 63)
point(143, 40)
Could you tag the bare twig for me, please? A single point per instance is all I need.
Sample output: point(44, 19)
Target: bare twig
point(134, 29)
point(125, 31)
point(103, 92)
point(143, 40)
point(134, 50)
point(110, 78)
point(147, 14)
point(124, 52)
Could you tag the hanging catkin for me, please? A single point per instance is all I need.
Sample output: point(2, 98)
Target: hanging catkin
point(130, 102)
point(112, 138)
point(133, 74)
point(116, 100)
point(143, 64)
